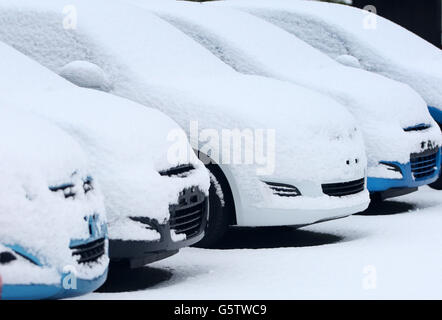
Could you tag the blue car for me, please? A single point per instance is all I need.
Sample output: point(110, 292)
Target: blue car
point(423, 169)
point(53, 233)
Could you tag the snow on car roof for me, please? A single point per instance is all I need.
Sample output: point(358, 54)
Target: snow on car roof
point(379, 44)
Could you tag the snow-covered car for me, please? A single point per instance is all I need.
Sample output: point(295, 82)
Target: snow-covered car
point(403, 141)
point(361, 39)
point(154, 186)
point(272, 160)
point(53, 234)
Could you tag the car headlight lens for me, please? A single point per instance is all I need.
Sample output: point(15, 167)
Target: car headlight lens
point(68, 189)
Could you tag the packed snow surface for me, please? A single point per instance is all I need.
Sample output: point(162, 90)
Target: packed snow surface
point(380, 45)
point(128, 144)
point(393, 255)
point(149, 61)
point(35, 156)
point(383, 107)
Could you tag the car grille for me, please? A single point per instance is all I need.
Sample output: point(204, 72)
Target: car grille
point(187, 216)
point(344, 189)
point(179, 171)
point(89, 252)
point(424, 165)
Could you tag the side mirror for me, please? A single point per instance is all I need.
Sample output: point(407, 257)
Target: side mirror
point(86, 74)
point(349, 61)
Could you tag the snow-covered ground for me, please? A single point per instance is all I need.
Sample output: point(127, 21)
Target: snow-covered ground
point(395, 252)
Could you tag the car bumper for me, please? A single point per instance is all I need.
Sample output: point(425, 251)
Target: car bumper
point(388, 188)
point(312, 211)
point(140, 253)
point(183, 216)
point(42, 291)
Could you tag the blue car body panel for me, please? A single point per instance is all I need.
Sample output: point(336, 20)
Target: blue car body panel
point(407, 181)
point(41, 291)
point(436, 114)
point(57, 291)
point(23, 252)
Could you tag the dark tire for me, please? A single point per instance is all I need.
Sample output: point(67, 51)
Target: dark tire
point(437, 184)
point(219, 217)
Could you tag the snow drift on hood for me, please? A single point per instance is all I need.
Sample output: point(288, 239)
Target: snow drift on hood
point(35, 156)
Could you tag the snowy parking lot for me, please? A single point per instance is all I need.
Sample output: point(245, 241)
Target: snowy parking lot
point(394, 251)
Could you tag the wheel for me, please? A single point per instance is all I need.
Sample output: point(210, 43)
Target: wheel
point(220, 210)
point(437, 184)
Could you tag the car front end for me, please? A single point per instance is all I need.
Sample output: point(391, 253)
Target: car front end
point(316, 203)
point(184, 227)
point(38, 280)
point(421, 167)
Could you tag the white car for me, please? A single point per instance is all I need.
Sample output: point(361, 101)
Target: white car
point(402, 155)
point(273, 161)
point(360, 39)
point(155, 187)
point(53, 235)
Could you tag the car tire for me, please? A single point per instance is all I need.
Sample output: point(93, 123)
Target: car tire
point(219, 217)
point(437, 185)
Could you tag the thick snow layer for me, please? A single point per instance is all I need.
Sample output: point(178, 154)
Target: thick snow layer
point(380, 45)
point(165, 69)
point(393, 255)
point(383, 107)
point(85, 74)
point(128, 144)
point(35, 156)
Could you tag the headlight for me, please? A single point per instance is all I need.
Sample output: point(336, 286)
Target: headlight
point(68, 189)
point(181, 171)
